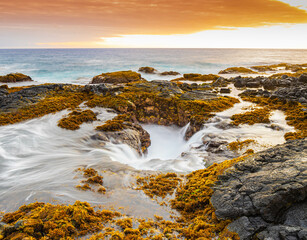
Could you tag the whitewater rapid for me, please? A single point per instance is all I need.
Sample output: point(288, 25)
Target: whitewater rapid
point(38, 159)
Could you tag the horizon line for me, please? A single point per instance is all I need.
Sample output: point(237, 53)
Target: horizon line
point(22, 48)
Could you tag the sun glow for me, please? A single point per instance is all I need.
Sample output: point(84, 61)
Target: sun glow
point(292, 36)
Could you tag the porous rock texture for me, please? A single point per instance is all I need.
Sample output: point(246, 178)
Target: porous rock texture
point(266, 195)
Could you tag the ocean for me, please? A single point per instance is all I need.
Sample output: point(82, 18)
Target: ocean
point(80, 65)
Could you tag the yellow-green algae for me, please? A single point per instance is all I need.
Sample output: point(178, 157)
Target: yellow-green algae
point(54, 101)
point(197, 77)
point(159, 185)
point(295, 74)
point(232, 70)
point(294, 111)
point(198, 221)
point(239, 145)
point(76, 118)
point(46, 221)
point(259, 115)
point(274, 67)
point(93, 178)
point(14, 77)
point(148, 107)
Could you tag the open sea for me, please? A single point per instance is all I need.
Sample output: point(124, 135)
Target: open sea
point(80, 65)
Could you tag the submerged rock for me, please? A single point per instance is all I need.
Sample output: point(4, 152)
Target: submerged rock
point(149, 70)
point(117, 77)
point(15, 77)
point(170, 73)
point(266, 193)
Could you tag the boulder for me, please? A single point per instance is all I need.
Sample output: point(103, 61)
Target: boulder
point(149, 70)
point(15, 77)
point(117, 77)
point(225, 90)
point(220, 82)
point(133, 135)
point(267, 192)
point(303, 78)
point(170, 73)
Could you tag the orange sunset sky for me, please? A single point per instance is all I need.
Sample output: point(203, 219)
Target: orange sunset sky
point(153, 23)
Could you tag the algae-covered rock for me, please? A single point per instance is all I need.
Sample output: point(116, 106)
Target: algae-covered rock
point(120, 132)
point(234, 70)
point(169, 73)
point(117, 77)
point(149, 70)
point(15, 77)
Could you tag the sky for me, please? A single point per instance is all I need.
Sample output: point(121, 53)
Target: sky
point(153, 24)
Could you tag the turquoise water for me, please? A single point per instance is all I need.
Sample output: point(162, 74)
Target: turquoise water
point(79, 65)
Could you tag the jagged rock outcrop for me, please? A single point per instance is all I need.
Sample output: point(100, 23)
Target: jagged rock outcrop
point(133, 135)
point(170, 73)
point(103, 88)
point(14, 100)
point(198, 95)
point(15, 77)
point(117, 77)
point(266, 194)
point(166, 88)
point(148, 70)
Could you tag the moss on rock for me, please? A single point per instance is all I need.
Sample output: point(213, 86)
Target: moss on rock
point(76, 118)
point(117, 77)
point(15, 77)
point(234, 70)
point(261, 115)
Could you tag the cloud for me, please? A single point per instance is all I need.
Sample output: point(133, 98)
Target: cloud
point(148, 16)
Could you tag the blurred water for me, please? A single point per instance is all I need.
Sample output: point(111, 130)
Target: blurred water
point(80, 65)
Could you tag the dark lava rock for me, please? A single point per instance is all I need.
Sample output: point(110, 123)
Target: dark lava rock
point(185, 87)
point(150, 70)
point(225, 90)
point(15, 77)
point(15, 100)
point(134, 136)
point(170, 73)
point(102, 88)
point(164, 87)
point(198, 95)
point(303, 78)
point(298, 94)
point(259, 93)
point(266, 193)
point(117, 77)
point(253, 84)
point(220, 82)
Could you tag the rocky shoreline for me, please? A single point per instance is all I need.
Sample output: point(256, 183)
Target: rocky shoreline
point(251, 196)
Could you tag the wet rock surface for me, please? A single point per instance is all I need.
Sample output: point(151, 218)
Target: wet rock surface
point(269, 83)
point(148, 70)
point(266, 194)
point(103, 88)
point(15, 100)
point(117, 77)
point(169, 73)
point(134, 136)
point(15, 77)
point(198, 95)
